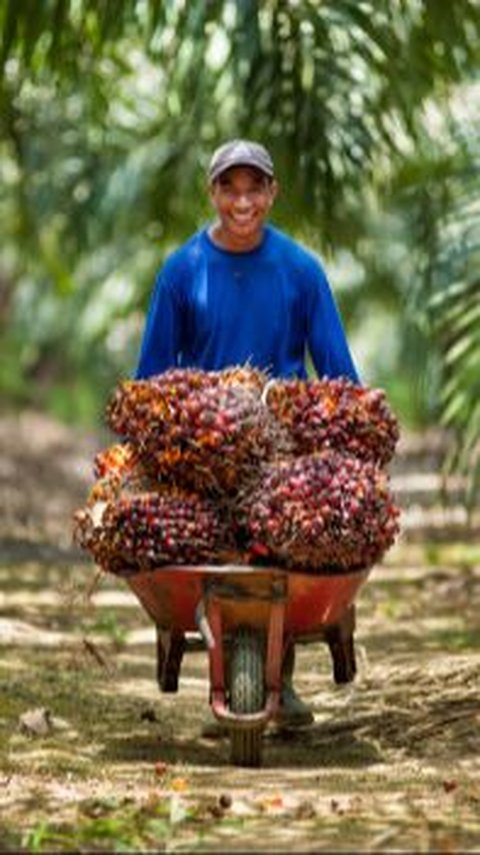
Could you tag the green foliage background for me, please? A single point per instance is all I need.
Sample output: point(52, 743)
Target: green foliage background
point(109, 112)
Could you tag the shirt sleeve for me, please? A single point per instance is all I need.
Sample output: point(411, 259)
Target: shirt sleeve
point(326, 337)
point(161, 342)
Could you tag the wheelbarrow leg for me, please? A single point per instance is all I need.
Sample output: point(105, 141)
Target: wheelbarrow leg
point(339, 638)
point(170, 650)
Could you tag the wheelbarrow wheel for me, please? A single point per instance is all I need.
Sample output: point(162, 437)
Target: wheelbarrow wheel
point(247, 695)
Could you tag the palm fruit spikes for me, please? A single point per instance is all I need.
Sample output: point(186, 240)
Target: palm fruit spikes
point(121, 457)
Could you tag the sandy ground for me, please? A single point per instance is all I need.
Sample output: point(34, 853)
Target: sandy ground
point(94, 758)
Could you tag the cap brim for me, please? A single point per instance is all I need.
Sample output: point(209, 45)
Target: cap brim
point(223, 167)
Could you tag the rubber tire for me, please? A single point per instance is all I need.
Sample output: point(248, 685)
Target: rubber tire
point(247, 695)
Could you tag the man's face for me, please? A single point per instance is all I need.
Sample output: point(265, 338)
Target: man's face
point(242, 197)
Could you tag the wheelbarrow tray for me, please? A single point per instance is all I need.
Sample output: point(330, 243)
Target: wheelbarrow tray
point(171, 594)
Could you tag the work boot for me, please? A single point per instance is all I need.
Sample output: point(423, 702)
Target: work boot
point(292, 712)
point(212, 728)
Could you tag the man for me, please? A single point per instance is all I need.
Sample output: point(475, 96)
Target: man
point(241, 291)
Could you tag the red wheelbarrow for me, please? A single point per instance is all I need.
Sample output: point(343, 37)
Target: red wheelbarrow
point(248, 617)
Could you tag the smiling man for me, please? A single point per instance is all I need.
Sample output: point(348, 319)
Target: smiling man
point(240, 290)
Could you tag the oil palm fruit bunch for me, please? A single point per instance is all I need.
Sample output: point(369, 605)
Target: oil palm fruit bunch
point(142, 531)
point(137, 402)
point(120, 474)
point(335, 413)
point(142, 410)
point(203, 430)
point(325, 510)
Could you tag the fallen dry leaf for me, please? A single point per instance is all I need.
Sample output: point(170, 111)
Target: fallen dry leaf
point(37, 722)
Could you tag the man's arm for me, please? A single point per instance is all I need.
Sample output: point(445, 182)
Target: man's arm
point(161, 343)
point(326, 337)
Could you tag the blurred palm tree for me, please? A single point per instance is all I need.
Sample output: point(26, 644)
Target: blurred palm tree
point(438, 193)
point(110, 109)
point(336, 88)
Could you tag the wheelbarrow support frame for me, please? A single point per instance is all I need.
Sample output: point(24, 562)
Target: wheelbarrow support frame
point(214, 599)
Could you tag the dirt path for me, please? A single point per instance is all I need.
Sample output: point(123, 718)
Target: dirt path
point(392, 762)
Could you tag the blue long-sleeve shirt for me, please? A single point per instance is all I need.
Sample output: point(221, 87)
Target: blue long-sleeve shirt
point(212, 309)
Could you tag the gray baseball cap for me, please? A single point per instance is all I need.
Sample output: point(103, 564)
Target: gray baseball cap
point(240, 153)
